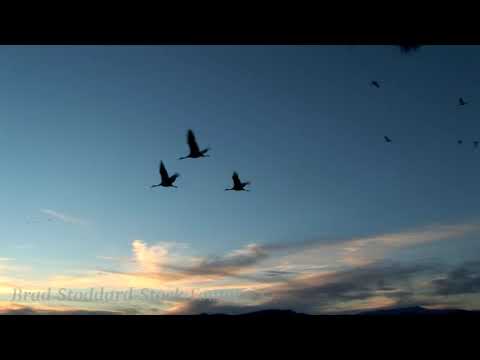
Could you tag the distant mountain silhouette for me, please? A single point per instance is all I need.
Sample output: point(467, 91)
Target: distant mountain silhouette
point(262, 313)
point(406, 311)
point(275, 313)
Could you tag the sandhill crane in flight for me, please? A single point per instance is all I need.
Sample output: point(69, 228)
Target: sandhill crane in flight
point(461, 102)
point(195, 151)
point(167, 181)
point(237, 184)
point(387, 139)
point(375, 83)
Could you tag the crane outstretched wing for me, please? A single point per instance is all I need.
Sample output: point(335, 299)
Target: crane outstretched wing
point(192, 142)
point(163, 171)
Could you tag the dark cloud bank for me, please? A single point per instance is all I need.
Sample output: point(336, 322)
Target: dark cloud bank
point(393, 281)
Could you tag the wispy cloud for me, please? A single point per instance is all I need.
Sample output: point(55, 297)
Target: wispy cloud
point(332, 275)
point(365, 250)
point(19, 309)
point(365, 287)
point(359, 251)
point(272, 263)
point(63, 217)
point(462, 280)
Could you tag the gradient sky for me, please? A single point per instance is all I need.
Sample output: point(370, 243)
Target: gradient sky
point(83, 128)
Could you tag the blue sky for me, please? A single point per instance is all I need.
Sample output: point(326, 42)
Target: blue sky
point(83, 128)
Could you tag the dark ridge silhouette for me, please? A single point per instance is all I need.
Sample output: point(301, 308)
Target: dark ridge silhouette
point(406, 312)
point(237, 184)
point(461, 102)
point(195, 151)
point(167, 181)
point(262, 313)
point(409, 48)
point(274, 312)
point(387, 139)
point(375, 83)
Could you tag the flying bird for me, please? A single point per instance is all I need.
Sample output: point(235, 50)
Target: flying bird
point(375, 83)
point(237, 184)
point(167, 181)
point(461, 102)
point(460, 142)
point(387, 139)
point(195, 151)
point(475, 144)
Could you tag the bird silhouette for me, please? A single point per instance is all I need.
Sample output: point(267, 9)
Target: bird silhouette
point(461, 102)
point(475, 144)
point(460, 142)
point(167, 181)
point(195, 151)
point(375, 83)
point(237, 184)
point(387, 139)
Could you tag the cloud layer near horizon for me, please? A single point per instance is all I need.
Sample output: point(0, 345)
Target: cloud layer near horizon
point(317, 276)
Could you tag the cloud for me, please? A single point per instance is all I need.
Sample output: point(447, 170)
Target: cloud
point(210, 306)
point(63, 217)
point(464, 279)
point(278, 261)
point(410, 238)
point(7, 265)
point(4, 262)
point(315, 276)
point(163, 262)
point(15, 309)
point(364, 250)
point(231, 264)
point(371, 286)
point(148, 258)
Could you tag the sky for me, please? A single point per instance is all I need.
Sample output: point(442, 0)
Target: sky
point(331, 204)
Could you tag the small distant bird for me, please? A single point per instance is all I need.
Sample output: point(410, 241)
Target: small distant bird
point(460, 142)
point(167, 181)
point(387, 139)
point(195, 151)
point(461, 102)
point(237, 184)
point(475, 144)
point(375, 83)
point(408, 48)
